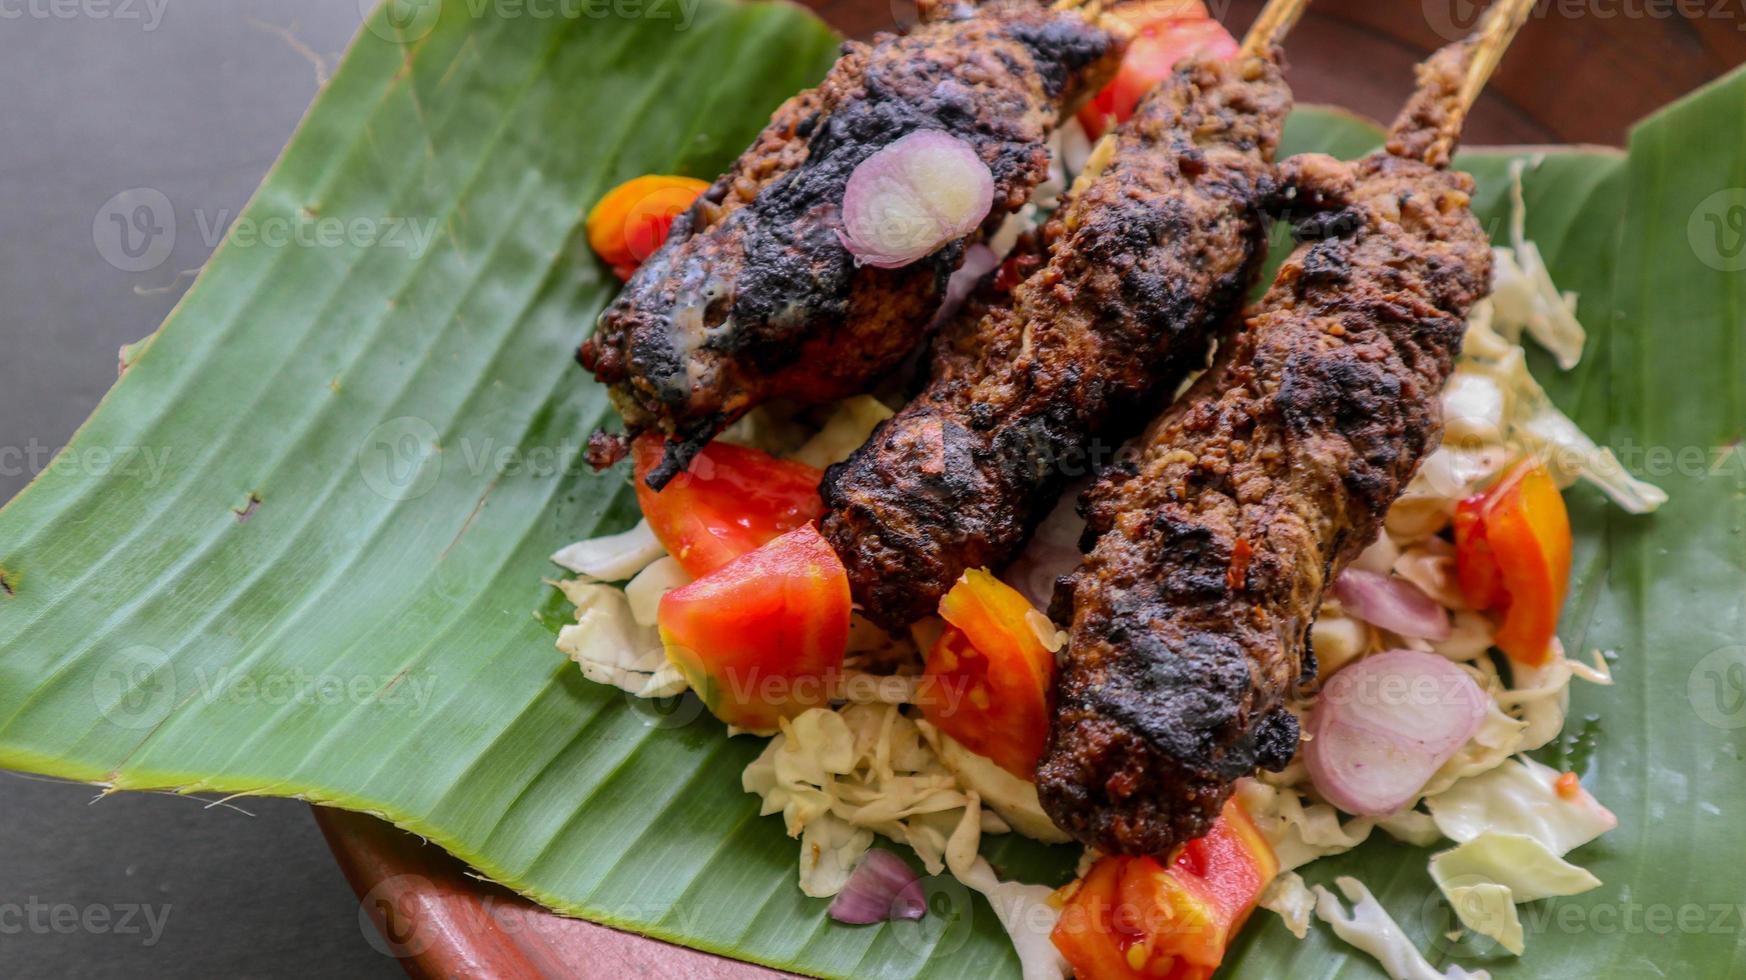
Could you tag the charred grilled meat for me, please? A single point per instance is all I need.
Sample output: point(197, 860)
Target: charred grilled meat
point(753, 295)
point(1161, 241)
point(1190, 613)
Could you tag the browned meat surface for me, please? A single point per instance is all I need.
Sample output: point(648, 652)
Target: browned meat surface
point(753, 296)
point(1153, 253)
point(1190, 613)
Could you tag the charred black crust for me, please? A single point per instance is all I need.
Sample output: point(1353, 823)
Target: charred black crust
point(1147, 264)
point(754, 295)
point(1066, 49)
point(1289, 452)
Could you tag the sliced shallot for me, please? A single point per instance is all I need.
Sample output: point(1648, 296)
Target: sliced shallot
point(1391, 603)
point(881, 887)
point(1385, 724)
point(909, 198)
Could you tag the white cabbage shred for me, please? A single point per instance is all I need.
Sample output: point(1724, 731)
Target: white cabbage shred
point(844, 431)
point(1028, 914)
point(1485, 878)
point(1288, 896)
point(612, 647)
point(612, 558)
point(1369, 927)
point(1519, 797)
point(866, 767)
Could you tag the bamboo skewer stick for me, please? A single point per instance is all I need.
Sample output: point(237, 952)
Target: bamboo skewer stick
point(1271, 25)
point(1501, 23)
point(1429, 127)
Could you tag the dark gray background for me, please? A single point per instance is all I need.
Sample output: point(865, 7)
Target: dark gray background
point(194, 98)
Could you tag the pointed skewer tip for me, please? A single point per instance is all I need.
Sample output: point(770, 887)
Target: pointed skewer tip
point(1271, 25)
point(1495, 33)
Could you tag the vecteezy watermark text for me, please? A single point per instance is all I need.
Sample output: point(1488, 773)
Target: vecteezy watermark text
point(1454, 19)
point(147, 13)
point(144, 463)
point(137, 687)
point(299, 686)
point(137, 229)
point(36, 917)
point(408, 21)
point(388, 915)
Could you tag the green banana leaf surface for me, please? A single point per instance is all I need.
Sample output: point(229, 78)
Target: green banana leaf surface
point(299, 549)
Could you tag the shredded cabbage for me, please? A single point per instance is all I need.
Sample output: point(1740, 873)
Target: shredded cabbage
point(1525, 289)
point(1485, 878)
point(849, 425)
point(829, 850)
point(656, 580)
point(1524, 865)
point(1519, 797)
point(1013, 798)
point(612, 558)
point(1370, 928)
point(1292, 899)
point(1299, 832)
point(1537, 426)
point(869, 767)
point(1028, 915)
point(612, 647)
point(1487, 908)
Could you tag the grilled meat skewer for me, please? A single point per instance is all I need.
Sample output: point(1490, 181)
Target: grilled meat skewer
point(1190, 614)
point(754, 296)
point(1161, 241)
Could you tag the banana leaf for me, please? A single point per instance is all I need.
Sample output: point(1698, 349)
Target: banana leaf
point(298, 550)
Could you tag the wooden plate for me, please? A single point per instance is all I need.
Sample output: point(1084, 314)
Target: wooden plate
point(1581, 72)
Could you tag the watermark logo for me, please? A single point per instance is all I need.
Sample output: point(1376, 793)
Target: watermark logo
point(407, 690)
point(1445, 919)
point(400, 459)
point(947, 924)
point(135, 230)
point(1716, 688)
point(676, 711)
point(409, 21)
point(1452, 20)
point(388, 918)
point(402, 21)
point(135, 688)
point(147, 13)
point(905, 14)
point(1716, 230)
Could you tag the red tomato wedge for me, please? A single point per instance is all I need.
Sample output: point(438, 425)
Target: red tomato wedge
point(759, 638)
point(1165, 33)
point(989, 678)
point(1512, 553)
point(632, 220)
point(1086, 935)
point(1137, 917)
point(730, 501)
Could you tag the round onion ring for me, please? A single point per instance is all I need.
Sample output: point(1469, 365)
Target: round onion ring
point(1383, 725)
point(913, 196)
